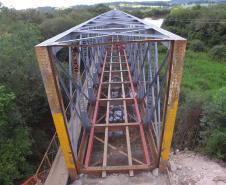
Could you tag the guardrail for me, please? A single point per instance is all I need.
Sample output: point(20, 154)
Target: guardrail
point(42, 172)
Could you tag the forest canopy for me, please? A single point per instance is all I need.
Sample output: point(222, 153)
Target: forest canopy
point(25, 119)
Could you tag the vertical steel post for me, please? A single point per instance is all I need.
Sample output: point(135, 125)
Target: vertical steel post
point(174, 80)
point(70, 80)
point(52, 88)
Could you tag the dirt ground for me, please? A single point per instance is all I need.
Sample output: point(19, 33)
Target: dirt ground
point(187, 168)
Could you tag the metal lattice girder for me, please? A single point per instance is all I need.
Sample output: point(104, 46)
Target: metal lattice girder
point(113, 51)
point(111, 21)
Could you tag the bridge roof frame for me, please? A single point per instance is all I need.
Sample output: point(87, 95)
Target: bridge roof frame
point(113, 17)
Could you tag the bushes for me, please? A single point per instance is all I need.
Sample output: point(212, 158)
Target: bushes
point(187, 128)
point(51, 27)
point(213, 125)
point(216, 144)
point(157, 12)
point(24, 114)
point(26, 107)
point(201, 118)
point(197, 45)
point(201, 123)
point(218, 52)
point(192, 23)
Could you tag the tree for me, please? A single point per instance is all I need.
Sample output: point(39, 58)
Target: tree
point(15, 144)
point(19, 70)
point(54, 26)
point(203, 23)
point(100, 8)
point(20, 73)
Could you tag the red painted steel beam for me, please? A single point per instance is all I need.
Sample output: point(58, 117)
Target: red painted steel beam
point(91, 137)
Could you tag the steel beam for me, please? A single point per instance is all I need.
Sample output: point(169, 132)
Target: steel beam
point(174, 81)
point(54, 96)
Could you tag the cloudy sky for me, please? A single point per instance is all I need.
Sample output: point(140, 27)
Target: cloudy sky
point(23, 4)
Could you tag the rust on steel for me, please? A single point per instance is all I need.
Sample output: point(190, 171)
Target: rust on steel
point(174, 81)
point(56, 106)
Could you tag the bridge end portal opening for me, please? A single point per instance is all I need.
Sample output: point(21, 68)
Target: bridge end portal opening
point(113, 86)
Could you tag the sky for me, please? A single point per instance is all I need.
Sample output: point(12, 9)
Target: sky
point(23, 4)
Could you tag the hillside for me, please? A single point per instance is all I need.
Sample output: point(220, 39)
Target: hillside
point(140, 4)
point(196, 1)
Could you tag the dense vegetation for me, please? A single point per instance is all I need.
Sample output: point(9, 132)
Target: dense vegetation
point(201, 120)
point(25, 121)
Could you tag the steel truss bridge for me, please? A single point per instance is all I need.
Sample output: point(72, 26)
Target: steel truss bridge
point(113, 85)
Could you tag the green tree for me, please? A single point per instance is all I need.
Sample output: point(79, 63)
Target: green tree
point(19, 70)
point(203, 23)
point(56, 25)
point(15, 145)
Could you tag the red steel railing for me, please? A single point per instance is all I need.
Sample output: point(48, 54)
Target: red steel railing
point(43, 170)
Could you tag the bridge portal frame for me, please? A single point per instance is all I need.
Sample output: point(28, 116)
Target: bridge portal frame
point(51, 82)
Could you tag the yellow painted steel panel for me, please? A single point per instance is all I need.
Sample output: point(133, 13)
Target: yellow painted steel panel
point(63, 138)
point(168, 132)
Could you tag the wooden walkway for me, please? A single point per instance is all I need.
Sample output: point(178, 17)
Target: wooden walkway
point(116, 123)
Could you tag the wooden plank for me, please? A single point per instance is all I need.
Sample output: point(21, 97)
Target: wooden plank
point(117, 71)
point(125, 82)
point(116, 62)
point(131, 173)
point(142, 134)
point(116, 101)
point(82, 149)
point(120, 151)
point(116, 124)
point(116, 168)
point(104, 174)
point(151, 142)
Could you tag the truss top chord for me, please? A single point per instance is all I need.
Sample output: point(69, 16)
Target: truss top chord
point(111, 23)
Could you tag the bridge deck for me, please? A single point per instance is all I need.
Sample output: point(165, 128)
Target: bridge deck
point(117, 140)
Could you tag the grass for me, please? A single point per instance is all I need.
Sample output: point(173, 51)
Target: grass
point(203, 74)
point(199, 115)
